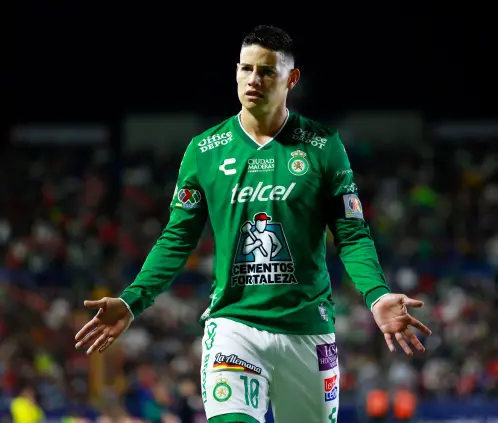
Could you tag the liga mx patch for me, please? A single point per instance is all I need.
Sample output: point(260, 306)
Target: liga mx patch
point(352, 206)
point(188, 198)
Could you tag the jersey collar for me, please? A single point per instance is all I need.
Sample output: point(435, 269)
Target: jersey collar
point(251, 141)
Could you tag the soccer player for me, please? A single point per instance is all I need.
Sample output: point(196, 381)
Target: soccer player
point(271, 181)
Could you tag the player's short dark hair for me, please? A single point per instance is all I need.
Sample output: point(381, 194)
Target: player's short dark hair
point(271, 38)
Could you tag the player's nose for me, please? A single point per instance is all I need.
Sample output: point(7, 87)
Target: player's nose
point(254, 79)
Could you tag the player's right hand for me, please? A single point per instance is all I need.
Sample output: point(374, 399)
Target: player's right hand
point(111, 320)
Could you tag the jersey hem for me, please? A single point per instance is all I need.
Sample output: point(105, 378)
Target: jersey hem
point(330, 328)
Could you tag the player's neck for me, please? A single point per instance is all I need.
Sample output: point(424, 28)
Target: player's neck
point(263, 127)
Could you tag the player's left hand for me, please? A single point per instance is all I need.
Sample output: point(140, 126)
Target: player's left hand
point(392, 317)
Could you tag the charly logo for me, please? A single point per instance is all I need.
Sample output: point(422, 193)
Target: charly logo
point(298, 165)
point(224, 167)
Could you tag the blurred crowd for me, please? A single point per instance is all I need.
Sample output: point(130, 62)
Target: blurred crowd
point(76, 223)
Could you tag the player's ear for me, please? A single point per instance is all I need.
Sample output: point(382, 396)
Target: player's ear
point(293, 79)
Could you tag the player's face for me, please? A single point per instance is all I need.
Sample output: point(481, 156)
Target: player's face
point(264, 78)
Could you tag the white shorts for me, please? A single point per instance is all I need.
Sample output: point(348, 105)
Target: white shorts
point(243, 368)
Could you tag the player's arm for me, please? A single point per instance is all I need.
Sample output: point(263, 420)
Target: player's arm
point(178, 239)
point(357, 251)
point(352, 236)
point(165, 260)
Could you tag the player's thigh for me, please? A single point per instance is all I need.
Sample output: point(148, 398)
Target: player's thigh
point(306, 380)
point(234, 376)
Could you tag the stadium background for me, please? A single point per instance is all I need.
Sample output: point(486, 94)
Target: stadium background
point(100, 105)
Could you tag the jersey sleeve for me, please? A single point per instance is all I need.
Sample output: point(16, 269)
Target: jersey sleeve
point(180, 236)
point(352, 235)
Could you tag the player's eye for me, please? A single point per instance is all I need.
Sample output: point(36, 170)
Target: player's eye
point(269, 72)
point(245, 69)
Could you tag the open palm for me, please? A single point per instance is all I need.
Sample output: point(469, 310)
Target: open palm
point(111, 320)
point(392, 317)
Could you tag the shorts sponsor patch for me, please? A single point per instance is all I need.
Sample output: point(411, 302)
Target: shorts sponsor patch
point(330, 388)
point(327, 356)
point(234, 363)
point(352, 207)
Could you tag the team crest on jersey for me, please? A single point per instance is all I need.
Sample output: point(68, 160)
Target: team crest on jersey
point(298, 165)
point(263, 256)
point(222, 390)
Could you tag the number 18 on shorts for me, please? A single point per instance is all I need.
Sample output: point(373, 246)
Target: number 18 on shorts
point(234, 386)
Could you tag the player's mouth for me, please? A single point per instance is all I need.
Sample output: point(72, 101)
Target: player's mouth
point(253, 95)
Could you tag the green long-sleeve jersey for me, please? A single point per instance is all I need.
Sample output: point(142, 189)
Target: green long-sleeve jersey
point(269, 207)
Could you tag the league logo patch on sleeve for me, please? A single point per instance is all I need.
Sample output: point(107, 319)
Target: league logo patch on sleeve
point(188, 198)
point(352, 207)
